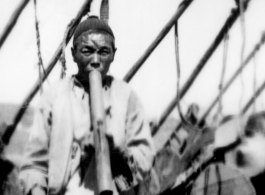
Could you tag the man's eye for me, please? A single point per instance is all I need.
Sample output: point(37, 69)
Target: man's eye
point(86, 50)
point(103, 53)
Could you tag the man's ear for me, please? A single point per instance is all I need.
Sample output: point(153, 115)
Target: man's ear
point(114, 52)
point(73, 53)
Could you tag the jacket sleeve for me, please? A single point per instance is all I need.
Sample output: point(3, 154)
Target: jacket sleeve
point(33, 172)
point(140, 147)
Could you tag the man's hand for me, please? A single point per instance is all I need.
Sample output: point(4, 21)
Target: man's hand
point(119, 164)
point(113, 148)
point(38, 191)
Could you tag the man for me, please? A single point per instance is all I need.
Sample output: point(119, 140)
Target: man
point(59, 157)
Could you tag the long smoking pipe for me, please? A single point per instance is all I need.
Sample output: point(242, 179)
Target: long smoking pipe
point(104, 178)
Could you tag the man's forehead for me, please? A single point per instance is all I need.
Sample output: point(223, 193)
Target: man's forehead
point(95, 39)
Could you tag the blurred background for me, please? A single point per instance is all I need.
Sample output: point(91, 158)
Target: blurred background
point(135, 24)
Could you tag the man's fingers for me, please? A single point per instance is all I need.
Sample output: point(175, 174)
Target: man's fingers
point(38, 191)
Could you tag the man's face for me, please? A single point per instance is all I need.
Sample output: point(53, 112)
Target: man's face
point(93, 51)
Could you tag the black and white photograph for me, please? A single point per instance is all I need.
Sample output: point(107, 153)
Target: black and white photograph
point(143, 97)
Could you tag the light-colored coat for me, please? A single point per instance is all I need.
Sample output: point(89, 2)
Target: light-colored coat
point(49, 150)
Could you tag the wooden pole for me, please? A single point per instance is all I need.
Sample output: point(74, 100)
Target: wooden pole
point(224, 30)
point(12, 21)
point(10, 129)
point(182, 7)
point(104, 178)
point(234, 76)
point(252, 99)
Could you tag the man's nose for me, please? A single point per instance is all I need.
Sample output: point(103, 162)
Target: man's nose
point(95, 63)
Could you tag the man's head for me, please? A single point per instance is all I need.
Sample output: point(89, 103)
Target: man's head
point(93, 47)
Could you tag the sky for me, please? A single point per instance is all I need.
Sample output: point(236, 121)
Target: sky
point(135, 24)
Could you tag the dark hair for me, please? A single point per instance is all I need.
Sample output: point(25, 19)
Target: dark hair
point(255, 123)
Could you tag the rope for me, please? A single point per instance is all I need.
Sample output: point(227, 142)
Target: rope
point(62, 57)
point(254, 82)
point(199, 67)
point(219, 114)
point(183, 120)
point(234, 76)
point(20, 113)
point(243, 31)
point(40, 63)
point(261, 88)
